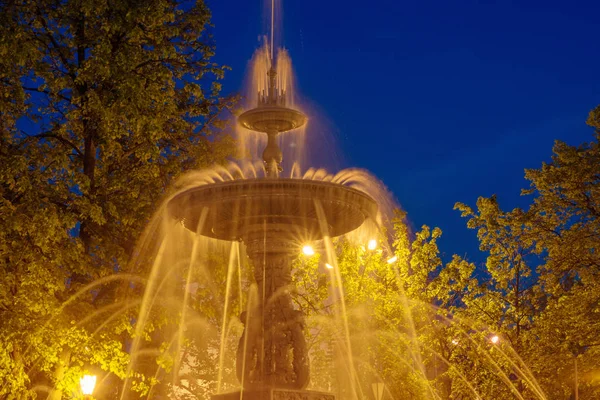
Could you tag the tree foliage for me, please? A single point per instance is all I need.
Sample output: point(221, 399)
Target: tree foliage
point(102, 104)
point(542, 289)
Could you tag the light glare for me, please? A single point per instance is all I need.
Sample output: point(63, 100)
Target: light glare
point(329, 266)
point(87, 384)
point(308, 250)
point(372, 244)
point(392, 260)
point(494, 339)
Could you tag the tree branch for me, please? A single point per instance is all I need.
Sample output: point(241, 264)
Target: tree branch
point(32, 89)
point(59, 138)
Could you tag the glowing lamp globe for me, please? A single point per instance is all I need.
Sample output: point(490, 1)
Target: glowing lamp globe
point(372, 245)
point(87, 383)
point(308, 250)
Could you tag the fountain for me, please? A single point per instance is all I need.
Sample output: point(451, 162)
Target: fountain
point(271, 215)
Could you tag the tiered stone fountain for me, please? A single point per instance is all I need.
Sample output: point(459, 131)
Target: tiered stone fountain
point(272, 216)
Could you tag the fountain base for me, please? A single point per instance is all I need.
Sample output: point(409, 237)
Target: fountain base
point(273, 394)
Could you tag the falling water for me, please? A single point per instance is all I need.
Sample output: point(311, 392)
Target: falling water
point(332, 260)
point(205, 306)
point(233, 265)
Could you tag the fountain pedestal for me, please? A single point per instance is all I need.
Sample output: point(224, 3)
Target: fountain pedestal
point(272, 358)
point(272, 351)
point(273, 394)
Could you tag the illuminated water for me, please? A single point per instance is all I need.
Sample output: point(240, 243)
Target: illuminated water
point(188, 320)
point(218, 286)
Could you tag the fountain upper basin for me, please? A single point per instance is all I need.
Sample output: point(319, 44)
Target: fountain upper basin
point(272, 119)
point(242, 209)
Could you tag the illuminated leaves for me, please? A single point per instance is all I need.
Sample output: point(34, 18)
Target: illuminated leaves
point(102, 104)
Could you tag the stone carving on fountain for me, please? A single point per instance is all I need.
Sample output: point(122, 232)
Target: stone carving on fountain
point(300, 395)
point(269, 215)
point(280, 337)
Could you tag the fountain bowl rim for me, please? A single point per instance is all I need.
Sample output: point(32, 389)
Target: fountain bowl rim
point(283, 190)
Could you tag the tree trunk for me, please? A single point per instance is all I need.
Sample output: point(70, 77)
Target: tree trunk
point(59, 373)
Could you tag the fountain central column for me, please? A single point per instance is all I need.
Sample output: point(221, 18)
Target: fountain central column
point(272, 352)
point(272, 358)
point(272, 155)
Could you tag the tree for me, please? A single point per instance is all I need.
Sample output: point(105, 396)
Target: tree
point(542, 293)
point(505, 236)
point(102, 104)
point(565, 221)
point(506, 301)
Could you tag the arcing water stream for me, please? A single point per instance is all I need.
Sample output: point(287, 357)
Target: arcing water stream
point(224, 308)
point(246, 296)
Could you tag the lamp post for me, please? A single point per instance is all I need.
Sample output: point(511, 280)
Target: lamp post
point(576, 380)
point(378, 390)
point(577, 350)
point(87, 383)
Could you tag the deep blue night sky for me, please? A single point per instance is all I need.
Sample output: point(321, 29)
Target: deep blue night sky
point(444, 101)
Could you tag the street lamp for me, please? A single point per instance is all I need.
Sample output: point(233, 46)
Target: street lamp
point(87, 384)
point(378, 390)
point(372, 245)
point(308, 250)
point(576, 380)
point(495, 339)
